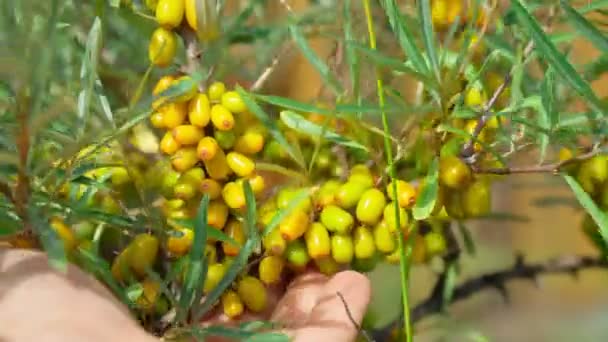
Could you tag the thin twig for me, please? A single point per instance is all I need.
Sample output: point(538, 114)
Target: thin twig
point(572, 264)
point(352, 320)
point(548, 168)
point(259, 83)
point(468, 150)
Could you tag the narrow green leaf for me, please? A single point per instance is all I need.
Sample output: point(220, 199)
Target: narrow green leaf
point(404, 36)
point(239, 334)
point(268, 337)
point(555, 58)
point(586, 29)
point(240, 261)
point(287, 103)
point(428, 36)
point(428, 195)
point(212, 233)
point(251, 213)
point(270, 124)
point(197, 268)
point(599, 217)
point(395, 65)
point(450, 283)
point(467, 238)
point(300, 124)
point(314, 59)
point(53, 246)
point(88, 74)
point(352, 59)
point(97, 265)
point(547, 92)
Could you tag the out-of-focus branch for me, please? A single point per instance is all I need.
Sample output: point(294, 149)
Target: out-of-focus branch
point(547, 168)
point(568, 264)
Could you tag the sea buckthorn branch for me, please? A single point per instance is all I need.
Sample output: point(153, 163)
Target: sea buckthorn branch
point(468, 153)
point(572, 264)
point(566, 264)
point(547, 168)
point(468, 150)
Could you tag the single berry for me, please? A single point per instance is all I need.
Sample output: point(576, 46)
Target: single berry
point(371, 206)
point(318, 241)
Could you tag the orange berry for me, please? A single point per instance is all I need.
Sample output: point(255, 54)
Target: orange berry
point(207, 148)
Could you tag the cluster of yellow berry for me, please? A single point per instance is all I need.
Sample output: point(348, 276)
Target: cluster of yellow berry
point(211, 140)
point(170, 15)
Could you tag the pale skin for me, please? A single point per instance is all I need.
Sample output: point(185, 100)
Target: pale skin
point(38, 303)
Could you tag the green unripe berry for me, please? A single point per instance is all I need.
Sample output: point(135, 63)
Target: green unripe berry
point(215, 273)
point(317, 241)
point(270, 269)
point(350, 193)
point(337, 219)
point(371, 206)
point(326, 193)
point(342, 249)
point(364, 265)
point(391, 220)
point(435, 244)
point(365, 179)
point(454, 205)
point(253, 293)
point(224, 139)
point(385, 242)
point(296, 253)
point(327, 266)
point(286, 195)
point(143, 252)
point(592, 173)
point(364, 244)
point(476, 199)
point(454, 173)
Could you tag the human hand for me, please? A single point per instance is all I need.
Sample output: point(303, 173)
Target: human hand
point(38, 303)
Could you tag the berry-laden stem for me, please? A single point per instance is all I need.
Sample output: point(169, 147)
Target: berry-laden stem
point(403, 260)
point(567, 264)
point(468, 150)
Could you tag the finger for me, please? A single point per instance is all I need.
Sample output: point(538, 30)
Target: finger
point(330, 319)
point(67, 306)
point(302, 295)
